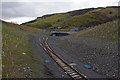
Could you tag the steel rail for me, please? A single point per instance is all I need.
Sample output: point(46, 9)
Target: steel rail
point(47, 48)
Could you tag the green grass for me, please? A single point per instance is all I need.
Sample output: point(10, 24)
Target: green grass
point(25, 28)
point(16, 52)
point(80, 20)
point(107, 32)
point(55, 19)
point(91, 18)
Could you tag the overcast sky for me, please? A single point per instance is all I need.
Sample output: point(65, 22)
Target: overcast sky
point(20, 11)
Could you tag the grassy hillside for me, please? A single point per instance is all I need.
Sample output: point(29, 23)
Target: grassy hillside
point(107, 31)
point(91, 18)
point(24, 28)
point(48, 21)
point(78, 18)
point(52, 20)
point(17, 61)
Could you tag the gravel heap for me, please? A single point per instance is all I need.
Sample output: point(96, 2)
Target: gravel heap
point(101, 55)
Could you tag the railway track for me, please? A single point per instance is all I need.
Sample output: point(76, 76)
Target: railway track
point(70, 71)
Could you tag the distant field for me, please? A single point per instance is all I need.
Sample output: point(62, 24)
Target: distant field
point(107, 31)
point(17, 61)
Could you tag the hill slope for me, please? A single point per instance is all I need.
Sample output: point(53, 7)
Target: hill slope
point(91, 18)
point(23, 27)
point(106, 32)
point(78, 18)
point(54, 19)
point(17, 60)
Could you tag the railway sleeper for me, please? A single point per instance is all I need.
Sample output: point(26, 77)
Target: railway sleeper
point(71, 72)
point(65, 67)
point(75, 76)
point(61, 63)
point(53, 55)
point(68, 69)
point(78, 77)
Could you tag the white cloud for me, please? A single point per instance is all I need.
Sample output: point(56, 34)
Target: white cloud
point(37, 0)
point(36, 8)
